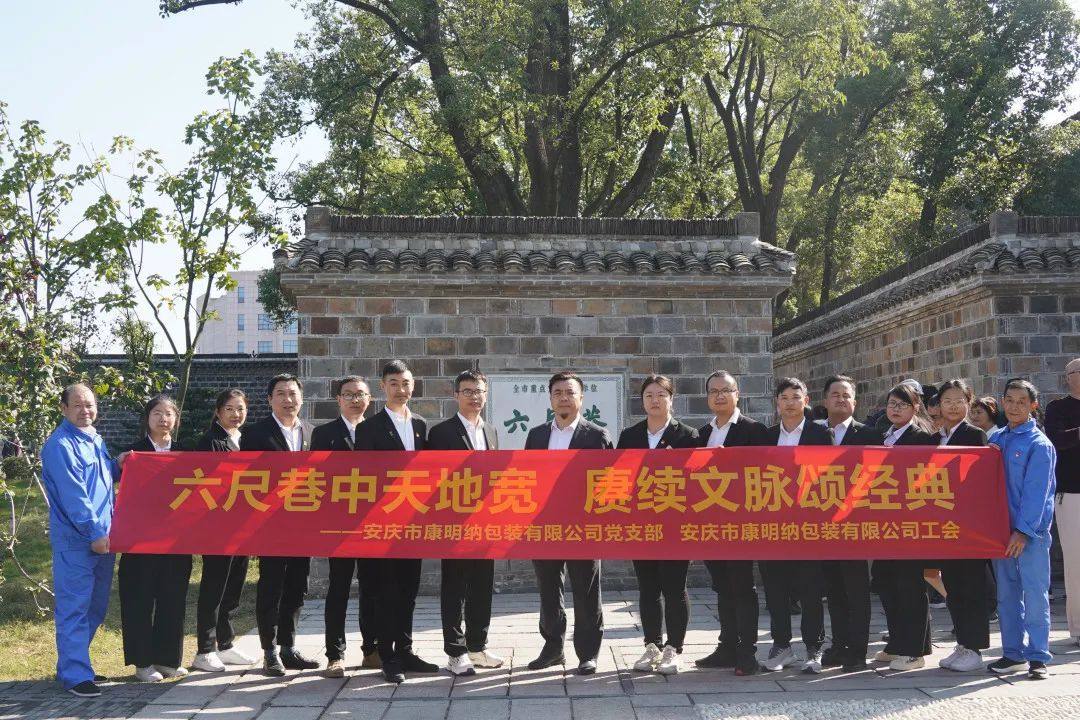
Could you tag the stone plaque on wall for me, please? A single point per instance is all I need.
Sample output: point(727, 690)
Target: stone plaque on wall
point(517, 403)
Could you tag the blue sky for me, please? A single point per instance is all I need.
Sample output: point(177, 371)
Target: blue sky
point(91, 70)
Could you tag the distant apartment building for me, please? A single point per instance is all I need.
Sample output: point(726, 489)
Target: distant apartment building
point(242, 325)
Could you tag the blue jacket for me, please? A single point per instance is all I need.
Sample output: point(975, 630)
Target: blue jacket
point(1029, 459)
point(78, 475)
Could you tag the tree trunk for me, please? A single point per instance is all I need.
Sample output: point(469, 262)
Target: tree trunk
point(928, 220)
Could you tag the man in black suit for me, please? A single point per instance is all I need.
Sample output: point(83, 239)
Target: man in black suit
point(467, 585)
point(732, 580)
point(803, 577)
point(847, 582)
point(396, 428)
point(279, 594)
point(568, 431)
point(353, 397)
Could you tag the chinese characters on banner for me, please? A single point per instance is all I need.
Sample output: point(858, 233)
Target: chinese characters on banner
point(733, 503)
point(520, 402)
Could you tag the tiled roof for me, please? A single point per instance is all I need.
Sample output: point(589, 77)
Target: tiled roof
point(309, 256)
point(994, 258)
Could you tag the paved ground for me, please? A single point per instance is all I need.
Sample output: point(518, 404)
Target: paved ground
point(614, 693)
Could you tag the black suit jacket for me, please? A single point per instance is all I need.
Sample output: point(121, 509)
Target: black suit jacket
point(216, 440)
point(587, 436)
point(744, 432)
point(451, 434)
point(967, 434)
point(812, 434)
point(676, 435)
point(915, 436)
point(861, 434)
point(378, 433)
point(333, 435)
point(266, 435)
point(143, 444)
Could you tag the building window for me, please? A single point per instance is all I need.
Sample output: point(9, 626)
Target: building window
point(239, 346)
point(240, 322)
point(293, 327)
point(240, 294)
point(266, 346)
point(288, 346)
point(265, 323)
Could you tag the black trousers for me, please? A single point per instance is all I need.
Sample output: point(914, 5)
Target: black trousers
point(666, 579)
point(803, 579)
point(965, 588)
point(588, 613)
point(736, 604)
point(398, 584)
point(902, 590)
point(847, 585)
point(222, 583)
point(466, 589)
point(337, 604)
point(279, 595)
point(153, 596)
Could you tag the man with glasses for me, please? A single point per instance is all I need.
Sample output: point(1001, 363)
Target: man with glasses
point(1063, 429)
point(467, 584)
point(569, 431)
point(353, 397)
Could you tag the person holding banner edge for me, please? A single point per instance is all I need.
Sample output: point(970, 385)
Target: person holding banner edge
point(568, 431)
point(467, 585)
point(660, 578)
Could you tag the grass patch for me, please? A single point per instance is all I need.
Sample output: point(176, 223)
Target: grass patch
point(30, 639)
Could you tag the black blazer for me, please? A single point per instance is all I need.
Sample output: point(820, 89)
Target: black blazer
point(915, 436)
point(333, 435)
point(143, 444)
point(587, 436)
point(812, 434)
point(378, 433)
point(217, 440)
point(451, 434)
point(676, 435)
point(744, 432)
point(861, 434)
point(967, 434)
point(266, 435)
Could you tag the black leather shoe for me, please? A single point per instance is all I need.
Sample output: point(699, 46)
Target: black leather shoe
point(414, 663)
point(747, 665)
point(854, 666)
point(391, 670)
point(833, 657)
point(548, 659)
point(85, 689)
point(586, 667)
point(272, 664)
point(721, 657)
point(293, 659)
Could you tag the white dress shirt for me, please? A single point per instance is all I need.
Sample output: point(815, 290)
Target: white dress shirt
point(719, 433)
point(560, 439)
point(947, 436)
point(895, 434)
point(838, 432)
point(160, 448)
point(233, 434)
point(790, 439)
point(351, 427)
point(654, 438)
point(294, 436)
point(403, 425)
point(476, 432)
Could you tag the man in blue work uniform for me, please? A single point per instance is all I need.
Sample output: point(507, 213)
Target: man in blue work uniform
point(79, 474)
point(1023, 576)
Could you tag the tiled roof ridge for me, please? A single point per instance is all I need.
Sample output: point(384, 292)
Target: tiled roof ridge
point(531, 225)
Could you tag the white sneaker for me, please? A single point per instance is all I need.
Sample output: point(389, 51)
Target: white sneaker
point(907, 663)
point(232, 656)
point(779, 658)
point(669, 661)
point(486, 659)
point(460, 665)
point(813, 662)
point(148, 674)
point(947, 661)
point(171, 672)
point(967, 660)
point(208, 662)
point(648, 661)
point(882, 656)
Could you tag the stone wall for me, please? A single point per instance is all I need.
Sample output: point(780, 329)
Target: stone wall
point(1000, 301)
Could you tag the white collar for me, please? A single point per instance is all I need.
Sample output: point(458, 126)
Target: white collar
point(731, 421)
point(898, 431)
point(846, 424)
point(234, 434)
point(400, 418)
point(351, 425)
point(569, 428)
point(662, 429)
point(798, 428)
point(294, 429)
point(949, 433)
point(159, 448)
point(475, 427)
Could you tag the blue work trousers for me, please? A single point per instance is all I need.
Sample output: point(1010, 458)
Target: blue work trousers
point(81, 581)
point(1023, 585)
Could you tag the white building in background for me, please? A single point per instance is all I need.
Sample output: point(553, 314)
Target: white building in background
point(242, 325)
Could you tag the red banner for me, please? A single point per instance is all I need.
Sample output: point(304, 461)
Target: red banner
point(729, 503)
